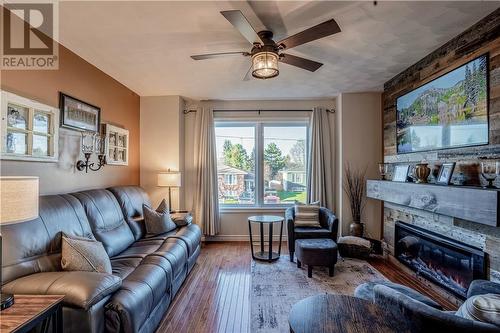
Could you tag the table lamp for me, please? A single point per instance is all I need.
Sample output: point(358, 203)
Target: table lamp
point(169, 179)
point(18, 203)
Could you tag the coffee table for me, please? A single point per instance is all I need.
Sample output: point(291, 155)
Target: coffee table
point(269, 220)
point(338, 313)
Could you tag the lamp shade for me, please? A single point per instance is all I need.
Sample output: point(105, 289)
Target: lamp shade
point(18, 199)
point(169, 179)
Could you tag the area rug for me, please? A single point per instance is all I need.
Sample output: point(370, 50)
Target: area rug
point(277, 286)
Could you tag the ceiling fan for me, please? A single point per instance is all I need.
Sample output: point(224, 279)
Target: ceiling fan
point(266, 53)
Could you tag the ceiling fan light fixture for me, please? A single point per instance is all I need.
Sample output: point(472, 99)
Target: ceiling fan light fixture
point(265, 65)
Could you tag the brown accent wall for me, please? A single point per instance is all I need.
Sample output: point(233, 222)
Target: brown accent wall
point(481, 38)
point(76, 77)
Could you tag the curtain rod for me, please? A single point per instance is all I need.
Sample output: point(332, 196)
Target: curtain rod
point(259, 111)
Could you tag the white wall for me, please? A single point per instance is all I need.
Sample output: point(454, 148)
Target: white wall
point(162, 144)
point(359, 141)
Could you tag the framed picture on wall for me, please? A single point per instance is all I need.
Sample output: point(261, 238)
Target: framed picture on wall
point(78, 115)
point(445, 173)
point(117, 143)
point(400, 173)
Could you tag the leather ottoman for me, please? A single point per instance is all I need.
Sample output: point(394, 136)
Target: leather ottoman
point(316, 252)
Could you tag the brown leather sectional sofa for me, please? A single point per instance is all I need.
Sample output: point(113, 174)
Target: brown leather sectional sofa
point(147, 272)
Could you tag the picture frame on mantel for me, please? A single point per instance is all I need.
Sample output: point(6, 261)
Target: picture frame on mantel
point(445, 173)
point(79, 115)
point(401, 173)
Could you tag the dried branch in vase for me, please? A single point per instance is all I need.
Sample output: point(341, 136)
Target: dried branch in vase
point(354, 186)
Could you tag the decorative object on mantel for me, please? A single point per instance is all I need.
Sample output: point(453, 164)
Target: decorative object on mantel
point(19, 204)
point(78, 115)
point(29, 129)
point(383, 169)
point(92, 142)
point(473, 204)
point(169, 179)
point(490, 169)
point(354, 187)
point(445, 173)
point(117, 144)
point(422, 172)
point(400, 173)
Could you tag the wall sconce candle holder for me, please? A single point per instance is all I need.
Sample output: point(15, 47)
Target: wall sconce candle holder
point(92, 142)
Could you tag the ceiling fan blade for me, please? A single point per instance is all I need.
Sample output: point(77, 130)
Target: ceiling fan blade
point(217, 55)
point(240, 22)
point(303, 63)
point(321, 30)
point(269, 14)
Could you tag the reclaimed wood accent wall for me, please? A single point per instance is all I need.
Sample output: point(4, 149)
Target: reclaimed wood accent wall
point(483, 37)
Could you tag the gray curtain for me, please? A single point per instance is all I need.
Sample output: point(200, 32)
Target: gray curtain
point(320, 177)
point(206, 201)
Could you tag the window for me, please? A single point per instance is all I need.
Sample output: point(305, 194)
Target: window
point(261, 163)
point(235, 163)
point(29, 129)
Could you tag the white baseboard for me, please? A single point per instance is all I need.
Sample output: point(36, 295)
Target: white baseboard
point(239, 238)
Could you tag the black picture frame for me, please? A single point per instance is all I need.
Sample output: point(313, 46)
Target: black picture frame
point(86, 110)
point(446, 171)
point(488, 72)
point(401, 173)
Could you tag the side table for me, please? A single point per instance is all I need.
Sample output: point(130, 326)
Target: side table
point(269, 220)
point(30, 311)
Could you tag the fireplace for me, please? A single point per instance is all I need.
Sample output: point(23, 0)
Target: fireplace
point(447, 262)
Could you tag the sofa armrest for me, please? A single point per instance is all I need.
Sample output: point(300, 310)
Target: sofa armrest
point(80, 289)
point(419, 317)
point(330, 221)
point(481, 287)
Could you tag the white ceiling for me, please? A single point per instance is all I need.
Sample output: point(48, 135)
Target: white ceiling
point(147, 45)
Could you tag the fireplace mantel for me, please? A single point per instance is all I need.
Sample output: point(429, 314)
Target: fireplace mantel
point(467, 203)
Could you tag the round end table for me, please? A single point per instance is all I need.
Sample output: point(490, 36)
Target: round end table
point(269, 220)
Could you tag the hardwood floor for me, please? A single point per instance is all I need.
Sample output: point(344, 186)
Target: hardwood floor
point(216, 295)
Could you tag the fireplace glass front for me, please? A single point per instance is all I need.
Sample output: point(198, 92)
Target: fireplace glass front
point(449, 263)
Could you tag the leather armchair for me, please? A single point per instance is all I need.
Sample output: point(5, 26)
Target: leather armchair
point(329, 228)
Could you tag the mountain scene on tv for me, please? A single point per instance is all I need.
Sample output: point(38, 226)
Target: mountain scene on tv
point(450, 111)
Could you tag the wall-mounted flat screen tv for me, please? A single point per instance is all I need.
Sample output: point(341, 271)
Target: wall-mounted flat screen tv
point(448, 112)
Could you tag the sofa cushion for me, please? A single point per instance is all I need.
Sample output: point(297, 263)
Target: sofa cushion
point(81, 289)
point(176, 253)
point(485, 308)
point(84, 254)
point(131, 199)
point(106, 220)
point(366, 291)
point(191, 235)
point(35, 246)
point(139, 249)
point(312, 232)
point(122, 267)
point(142, 290)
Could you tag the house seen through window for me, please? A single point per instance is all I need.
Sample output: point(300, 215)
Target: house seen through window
point(261, 163)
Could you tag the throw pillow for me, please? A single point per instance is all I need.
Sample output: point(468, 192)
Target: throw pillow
point(307, 215)
point(157, 221)
point(485, 308)
point(84, 254)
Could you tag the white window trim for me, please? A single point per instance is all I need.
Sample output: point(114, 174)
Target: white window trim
point(6, 98)
point(259, 124)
